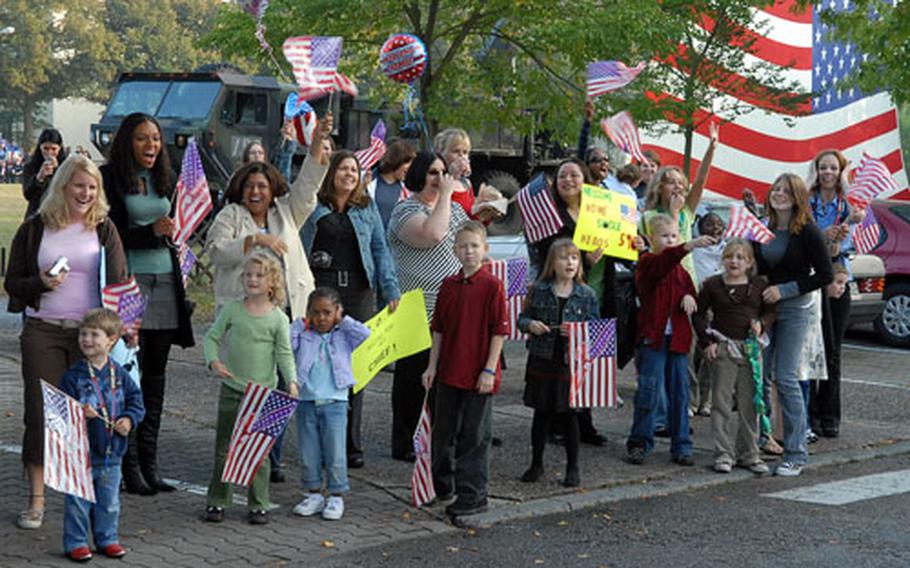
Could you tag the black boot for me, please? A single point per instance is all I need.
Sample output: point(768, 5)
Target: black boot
point(133, 481)
point(147, 432)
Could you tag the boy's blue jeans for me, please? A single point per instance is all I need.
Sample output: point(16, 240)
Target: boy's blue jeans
point(102, 516)
point(322, 435)
point(654, 365)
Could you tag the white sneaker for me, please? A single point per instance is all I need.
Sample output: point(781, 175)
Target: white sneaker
point(723, 467)
point(313, 504)
point(788, 469)
point(334, 509)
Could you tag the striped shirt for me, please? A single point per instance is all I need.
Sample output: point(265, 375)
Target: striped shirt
point(424, 268)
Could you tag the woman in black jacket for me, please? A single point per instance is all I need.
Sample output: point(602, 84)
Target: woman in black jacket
point(37, 174)
point(139, 185)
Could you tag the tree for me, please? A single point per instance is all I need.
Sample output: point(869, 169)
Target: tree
point(59, 49)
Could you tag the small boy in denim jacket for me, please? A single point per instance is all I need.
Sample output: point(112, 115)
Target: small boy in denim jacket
point(113, 406)
point(322, 345)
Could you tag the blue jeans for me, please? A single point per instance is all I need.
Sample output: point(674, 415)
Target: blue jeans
point(101, 516)
point(322, 434)
point(656, 367)
point(787, 344)
point(660, 410)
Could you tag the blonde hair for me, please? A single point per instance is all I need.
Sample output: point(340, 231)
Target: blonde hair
point(475, 227)
point(660, 220)
point(746, 248)
point(839, 268)
point(652, 195)
point(549, 266)
point(274, 274)
point(449, 136)
point(54, 210)
point(104, 319)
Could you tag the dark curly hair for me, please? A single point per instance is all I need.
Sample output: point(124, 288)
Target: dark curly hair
point(234, 193)
point(123, 161)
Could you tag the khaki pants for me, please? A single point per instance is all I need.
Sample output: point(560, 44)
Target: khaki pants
point(731, 382)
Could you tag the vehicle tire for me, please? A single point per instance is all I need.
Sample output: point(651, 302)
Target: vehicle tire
point(511, 223)
point(893, 326)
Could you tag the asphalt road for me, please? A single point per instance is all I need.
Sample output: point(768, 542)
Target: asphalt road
point(732, 525)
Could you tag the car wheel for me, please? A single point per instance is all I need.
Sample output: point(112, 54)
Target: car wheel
point(511, 223)
point(893, 325)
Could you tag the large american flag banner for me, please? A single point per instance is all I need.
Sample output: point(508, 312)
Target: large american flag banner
point(315, 63)
point(621, 129)
point(422, 488)
point(193, 199)
point(125, 299)
point(538, 209)
point(743, 224)
point(67, 467)
point(871, 179)
point(262, 417)
point(867, 233)
point(592, 363)
point(376, 150)
point(513, 272)
point(758, 146)
point(606, 76)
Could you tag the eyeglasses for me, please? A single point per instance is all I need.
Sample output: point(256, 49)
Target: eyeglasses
point(598, 159)
point(435, 172)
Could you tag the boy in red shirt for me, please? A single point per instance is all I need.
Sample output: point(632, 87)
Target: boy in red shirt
point(664, 336)
point(469, 327)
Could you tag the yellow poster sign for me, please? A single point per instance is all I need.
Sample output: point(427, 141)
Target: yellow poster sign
point(392, 336)
point(607, 220)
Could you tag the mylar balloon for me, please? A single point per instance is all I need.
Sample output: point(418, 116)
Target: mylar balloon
point(403, 58)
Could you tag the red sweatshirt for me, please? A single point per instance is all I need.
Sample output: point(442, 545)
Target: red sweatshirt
point(662, 282)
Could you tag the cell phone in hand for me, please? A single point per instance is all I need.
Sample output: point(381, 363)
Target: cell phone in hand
point(60, 265)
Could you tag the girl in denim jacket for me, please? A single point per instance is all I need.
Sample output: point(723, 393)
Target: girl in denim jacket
point(558, 296)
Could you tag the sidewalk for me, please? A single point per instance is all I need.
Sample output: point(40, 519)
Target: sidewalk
point(167, 530)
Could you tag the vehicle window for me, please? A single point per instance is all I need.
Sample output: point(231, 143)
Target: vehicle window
point(902, 211)
point(137, 96)
point(189, 100)
point(251, 108)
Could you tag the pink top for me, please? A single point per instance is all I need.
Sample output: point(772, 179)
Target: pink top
point(79, 292)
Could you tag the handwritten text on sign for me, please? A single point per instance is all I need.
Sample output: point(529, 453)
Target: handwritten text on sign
point(607, 220)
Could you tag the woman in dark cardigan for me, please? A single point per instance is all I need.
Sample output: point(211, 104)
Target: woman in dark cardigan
point(796, 263)
point(37, 173)
point(139, 185)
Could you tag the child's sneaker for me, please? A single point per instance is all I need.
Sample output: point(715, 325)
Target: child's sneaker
point(334, 508)
point(635, 456)
point(313, 504)
point(788, 469)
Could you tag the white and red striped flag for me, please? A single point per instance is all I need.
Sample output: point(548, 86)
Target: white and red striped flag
point(758, 146)
point(422, 489)
point(538, 209)
point(67, 467)
point(871, 179)
point(513, 272)
point(376, 150)
point(262, 417)
point(315, 63)
point(592, 363)
point(866, 235)
point(606, 76)
point(125, 299)
point(621, 129)
point(302, 117)
point(193, 199)
point(744, 225)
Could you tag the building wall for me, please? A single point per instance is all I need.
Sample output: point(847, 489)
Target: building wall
point(73, 118)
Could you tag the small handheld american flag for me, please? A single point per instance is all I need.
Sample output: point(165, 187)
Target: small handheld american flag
point(263, 415)
point(193, 199)
point(302, 117)
point(538, 209)
point(315, 63)
point(67, 467)
point(872, 178)
point(606, 76)
point(422, 489)
point(376, 150)
point(867, 233)
point(513, 272)
point(743, 224)
point(592, 363)
point(125, 299)
point(621, 129)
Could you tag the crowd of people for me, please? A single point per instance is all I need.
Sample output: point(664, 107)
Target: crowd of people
point(300, 265)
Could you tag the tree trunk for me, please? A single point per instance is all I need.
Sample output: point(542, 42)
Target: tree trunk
point(687, 151)
point(28, 122)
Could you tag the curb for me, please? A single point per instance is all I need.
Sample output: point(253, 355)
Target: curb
point(657, 488)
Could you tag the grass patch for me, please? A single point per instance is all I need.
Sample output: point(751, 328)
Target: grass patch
point(12, 210)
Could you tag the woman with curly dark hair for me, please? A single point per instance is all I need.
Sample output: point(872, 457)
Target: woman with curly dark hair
point(139, 185)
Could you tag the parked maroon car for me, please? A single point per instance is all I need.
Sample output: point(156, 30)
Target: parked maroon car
point(893, 325)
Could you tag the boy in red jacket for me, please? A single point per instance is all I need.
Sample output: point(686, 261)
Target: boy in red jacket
point(664, 337)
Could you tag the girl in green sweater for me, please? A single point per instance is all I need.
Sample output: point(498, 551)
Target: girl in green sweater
point(258, 343)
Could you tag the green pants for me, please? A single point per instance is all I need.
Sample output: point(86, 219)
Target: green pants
point(220, 494)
